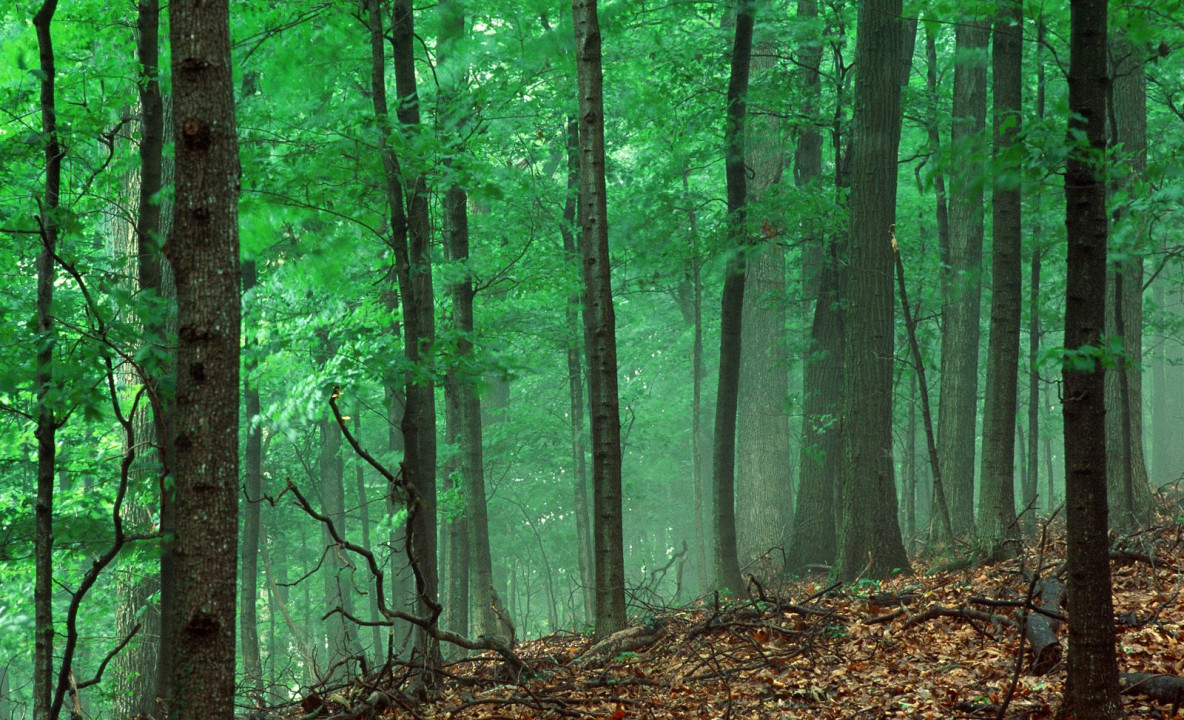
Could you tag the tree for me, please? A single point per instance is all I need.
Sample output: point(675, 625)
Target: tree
point(1091, 670)
point(46, 431)
point(815, 528)
point(727, 566)
point(764, 475)
point(870, 541)
point(1129, 486)
point(996, 510)
point(203, 249)
point(253, 492)
point(600, 328)
point(957, 412)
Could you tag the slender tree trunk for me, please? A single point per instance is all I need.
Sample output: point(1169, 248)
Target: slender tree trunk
point(727, 566)
point(1091, 671)
point(364, 512)
point(998, 531)
point(334, 570)
point(870, 541)
point(469, 421)
point(203, 249)
point(253, 457)
point(933, 130)
point(43, 382)
point(958, 410)
point(1129, 487)
point(600, 328)
point(409, 241)
point(1032, 481)
point(575, 379)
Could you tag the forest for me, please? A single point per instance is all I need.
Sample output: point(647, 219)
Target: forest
point(511, 359)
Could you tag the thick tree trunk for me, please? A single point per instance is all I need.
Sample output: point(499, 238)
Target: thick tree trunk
point(870, 541)
point(43, 382)
point(958, 409)
point(815, 527)
point(764, 472)
point(1091, 672)
point(727, 566)
point(204, 252)
point(998, 532)
point(600, 328)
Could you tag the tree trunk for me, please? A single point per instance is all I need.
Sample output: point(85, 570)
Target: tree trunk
point(335, 571)
point(1032, 480)
point(43, 382)
point(575, 379)
point(1129, 488)
point(815, 527)
point(998, 532)
point(410, 238)
point(203, 249)
point(600, 328)
point(764, 473)
point(364, 505)
point(870, 542)
point(957, 413)
point(1091, 670)
point(253, 457)
point(727, 566)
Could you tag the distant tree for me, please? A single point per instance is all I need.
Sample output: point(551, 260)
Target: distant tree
point(1091, 669)
point(252, 526)
point(870, 541)
point(203, 249)
point(600, 328)
point(1129, 486)
point(996, 508)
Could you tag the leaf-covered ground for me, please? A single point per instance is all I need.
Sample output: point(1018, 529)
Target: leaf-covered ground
point(934, 644)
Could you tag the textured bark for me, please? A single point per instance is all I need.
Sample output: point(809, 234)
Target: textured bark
point(1128, 485)
point(870, 542)
point(727, 566)
point(958, 408)
point(1091, 670)
point(203, 250)
point(253, 485)
point(764, 471)
point(998, 532)
point(43, 381)
point(600, 328)
point(575, 379)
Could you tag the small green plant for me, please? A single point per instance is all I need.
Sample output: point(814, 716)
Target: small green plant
point(626, 655)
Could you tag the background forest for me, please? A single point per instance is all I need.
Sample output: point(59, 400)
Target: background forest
point(422, 271)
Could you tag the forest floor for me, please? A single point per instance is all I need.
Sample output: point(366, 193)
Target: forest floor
point(933, 644)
